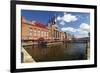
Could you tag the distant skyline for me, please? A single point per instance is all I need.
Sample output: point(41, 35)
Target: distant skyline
point(75, 23)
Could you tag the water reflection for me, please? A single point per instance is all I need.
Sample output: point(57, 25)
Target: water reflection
point(58, 52)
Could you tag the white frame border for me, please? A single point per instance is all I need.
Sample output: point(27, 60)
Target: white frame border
point(20, 65)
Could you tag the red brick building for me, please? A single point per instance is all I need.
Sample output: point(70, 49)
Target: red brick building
point(32, 30)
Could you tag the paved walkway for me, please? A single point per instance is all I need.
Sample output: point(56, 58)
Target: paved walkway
point(26, 57)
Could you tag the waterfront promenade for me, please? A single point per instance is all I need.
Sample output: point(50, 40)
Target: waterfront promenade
point(26, 57)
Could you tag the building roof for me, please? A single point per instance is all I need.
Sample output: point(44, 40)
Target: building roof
point(36, 24)
point(41, 25)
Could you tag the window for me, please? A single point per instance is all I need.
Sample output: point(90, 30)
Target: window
point(47, 34)
point(35, 32)
point(38, 33)
point(41, 33)
point(30, 31)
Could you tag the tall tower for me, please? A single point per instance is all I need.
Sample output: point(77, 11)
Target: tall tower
point(52, 20)
point(53, 28)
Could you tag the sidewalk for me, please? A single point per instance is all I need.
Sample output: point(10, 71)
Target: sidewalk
point(26, 57)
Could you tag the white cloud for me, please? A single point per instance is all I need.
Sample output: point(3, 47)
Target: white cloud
point(81, 35)
point(69, 29)
point(83, 30)
point(62, 23)
point(67, 17)
point(59, 18)
point(85, 27)
point(80, 32)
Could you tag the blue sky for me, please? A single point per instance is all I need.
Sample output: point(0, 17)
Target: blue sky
point(71, 22)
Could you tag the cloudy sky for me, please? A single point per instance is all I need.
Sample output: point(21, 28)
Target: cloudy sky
point(74, 23)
